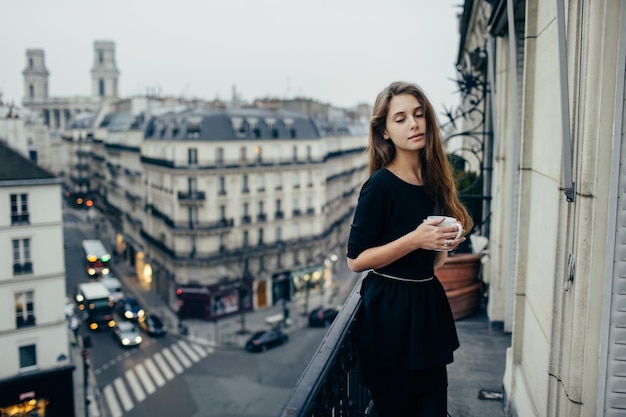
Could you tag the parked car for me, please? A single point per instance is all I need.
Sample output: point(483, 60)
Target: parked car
point(129, 308)
point(321, 316)
point(127, 334)
point(152, 324)
point(114, 286)
point(263, 339)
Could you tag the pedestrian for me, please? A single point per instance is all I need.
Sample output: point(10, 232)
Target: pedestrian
point(74, 325)
point(406, 334)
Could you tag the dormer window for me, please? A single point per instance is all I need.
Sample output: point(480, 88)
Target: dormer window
point(193, 127)
point(270, 122)
point(253, 122)
point(289, 127)
point(238, 126)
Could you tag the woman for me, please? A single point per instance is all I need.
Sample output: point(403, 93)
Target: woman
point(406, 333)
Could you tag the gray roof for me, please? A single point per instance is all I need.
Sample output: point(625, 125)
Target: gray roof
point(231, 124)
point(81, 121)
point(14, 166)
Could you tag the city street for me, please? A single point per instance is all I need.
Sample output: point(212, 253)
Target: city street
point(177, 376)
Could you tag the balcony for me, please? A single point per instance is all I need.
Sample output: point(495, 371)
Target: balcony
point(20, 219)
point(21, 269)
point(21, 321)
point(191, 197)
point(331, 384)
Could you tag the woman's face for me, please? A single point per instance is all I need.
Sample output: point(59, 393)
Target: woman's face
point(405, 123)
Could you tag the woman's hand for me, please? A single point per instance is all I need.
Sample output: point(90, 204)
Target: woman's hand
point(429, 235)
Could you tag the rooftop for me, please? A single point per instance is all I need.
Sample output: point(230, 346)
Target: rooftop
point(14, 166)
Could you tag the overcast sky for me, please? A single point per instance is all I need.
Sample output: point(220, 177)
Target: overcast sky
point(341, 52)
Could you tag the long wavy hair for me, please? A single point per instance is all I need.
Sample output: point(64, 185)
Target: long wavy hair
point(436, 170)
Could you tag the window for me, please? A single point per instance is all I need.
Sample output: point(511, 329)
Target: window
point(193, 216)
point(295, 153)
point(243, 159)
point(244, 184)
point(31, 91)
point(222, 186)
point(192, 185)
point(245, 217)
point(192, 156)
point(296, 207)
point(24, 309)
point(223, 240)
point(28, 356)
point(258, 154)
point(219, 156)
point(279, 209)
point(260, 182)
point(19, 209)
point(194, 125)
point(222, 213)
point(309, 178)
point(30, 62)
point(278, 181)
point(309, 157)
point(22, 263)
point(261, 214)
point(245, 239)
point(260, 236)
point(192, 244)
point(100, 57)
point(101, 87)
point(296, 179)
point(309, 205)
point(279, 234)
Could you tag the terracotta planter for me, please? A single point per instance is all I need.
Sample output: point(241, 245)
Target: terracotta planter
point(460, 278)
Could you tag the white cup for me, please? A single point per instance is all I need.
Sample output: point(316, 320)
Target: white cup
point(447, 222)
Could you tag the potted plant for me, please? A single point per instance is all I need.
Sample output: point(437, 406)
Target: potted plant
point(461, 273)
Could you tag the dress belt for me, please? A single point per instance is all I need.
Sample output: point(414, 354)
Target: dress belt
point(402, 279)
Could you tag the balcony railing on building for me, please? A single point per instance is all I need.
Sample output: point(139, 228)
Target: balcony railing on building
point(331, 385)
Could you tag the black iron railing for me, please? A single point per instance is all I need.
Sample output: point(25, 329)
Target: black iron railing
point(331, 384)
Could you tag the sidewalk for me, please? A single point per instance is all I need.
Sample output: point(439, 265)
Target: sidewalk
point(475, 377)
point(226, 332)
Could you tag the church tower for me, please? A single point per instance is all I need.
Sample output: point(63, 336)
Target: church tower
point(35, 77)
point(104, 73)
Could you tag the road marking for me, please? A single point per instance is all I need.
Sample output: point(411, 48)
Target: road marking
point(132, 380)
point(172, 360)
point(147, 382)
point(181, 356)
point(114, 406)
point(122, 392)
point(154, 372)
point(201, 351)
point(189, 351)
point(164, 368)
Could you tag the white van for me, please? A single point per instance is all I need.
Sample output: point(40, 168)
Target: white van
point(114, 286)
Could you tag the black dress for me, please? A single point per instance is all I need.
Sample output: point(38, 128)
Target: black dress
point(402, 324)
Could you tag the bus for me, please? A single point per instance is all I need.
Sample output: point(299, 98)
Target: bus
point(97, 258)
point(94, 300)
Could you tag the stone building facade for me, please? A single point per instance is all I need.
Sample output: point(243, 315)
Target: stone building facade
point(555, 263)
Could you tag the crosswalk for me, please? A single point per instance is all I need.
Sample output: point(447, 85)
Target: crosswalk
point(148, 376)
